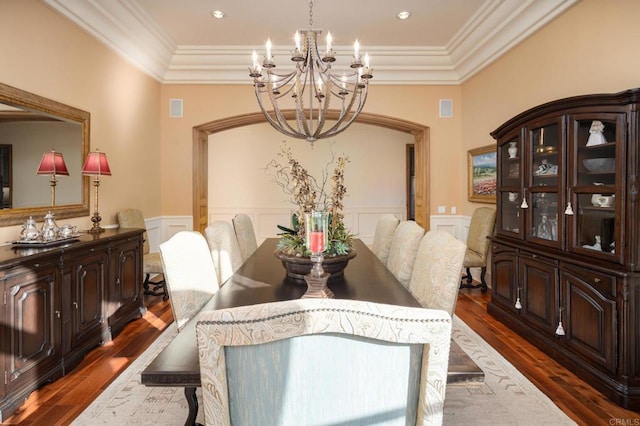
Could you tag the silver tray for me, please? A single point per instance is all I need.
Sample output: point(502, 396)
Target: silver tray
point(41, 244)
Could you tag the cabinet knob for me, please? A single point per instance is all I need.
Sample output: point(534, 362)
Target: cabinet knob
point(117, 281)
point(597, 280)
point(75, 305)
point(58, 314)
point(36, 265)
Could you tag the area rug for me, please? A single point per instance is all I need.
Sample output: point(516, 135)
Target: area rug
point(505, 397)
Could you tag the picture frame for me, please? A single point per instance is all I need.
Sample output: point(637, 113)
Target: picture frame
point(482, 174)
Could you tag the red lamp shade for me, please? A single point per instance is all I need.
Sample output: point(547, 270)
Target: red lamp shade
point(52, 163)
point(96, 164)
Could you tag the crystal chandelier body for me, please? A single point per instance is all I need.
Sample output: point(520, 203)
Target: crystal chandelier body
point(312, 89)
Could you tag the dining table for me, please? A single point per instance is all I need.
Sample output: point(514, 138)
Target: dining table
point(262, 279)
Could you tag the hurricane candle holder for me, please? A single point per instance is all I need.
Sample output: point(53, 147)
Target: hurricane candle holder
point(316, 236)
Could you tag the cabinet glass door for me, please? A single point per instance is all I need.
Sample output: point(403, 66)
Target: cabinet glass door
point(595, 183)
point(544, 178)
point(509, 220)
point(544, 217)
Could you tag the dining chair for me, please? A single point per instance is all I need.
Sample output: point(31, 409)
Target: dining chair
point(481, 228)
point(383, 235)
point(151, 262)
point(190, 274)
point(403, 249)
point(435, 279)
point(323, 361)
point(245, 234)
point(224, 248)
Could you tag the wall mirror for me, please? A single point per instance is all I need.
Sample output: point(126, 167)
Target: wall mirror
point(31, 125)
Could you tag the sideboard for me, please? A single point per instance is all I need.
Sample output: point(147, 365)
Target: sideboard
point(60, 302)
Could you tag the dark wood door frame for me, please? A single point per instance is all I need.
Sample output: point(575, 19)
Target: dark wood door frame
point(200, 158)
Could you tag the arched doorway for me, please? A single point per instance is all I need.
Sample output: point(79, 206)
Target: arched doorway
point(200, 163)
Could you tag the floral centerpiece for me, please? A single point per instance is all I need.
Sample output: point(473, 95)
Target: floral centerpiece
point(309, 194)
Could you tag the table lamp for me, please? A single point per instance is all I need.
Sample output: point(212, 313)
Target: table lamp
point(52, 163)
point(96, 166)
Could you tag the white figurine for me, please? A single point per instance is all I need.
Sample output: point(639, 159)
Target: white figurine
point(596, 137)
point(596, 246)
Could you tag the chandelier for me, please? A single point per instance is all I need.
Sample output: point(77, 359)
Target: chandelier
point(312, 88)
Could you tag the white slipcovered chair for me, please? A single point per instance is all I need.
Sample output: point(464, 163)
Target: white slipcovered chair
point(435, 280)
point(323, 361)
point(190, 274)
point(403, 249)
point(245, 235)
point(383, 236)
point(224, 247)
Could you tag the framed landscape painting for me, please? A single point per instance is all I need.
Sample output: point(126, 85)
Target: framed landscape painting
point(482, 174)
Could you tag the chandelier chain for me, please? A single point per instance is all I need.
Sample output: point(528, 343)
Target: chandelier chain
point(310, 14)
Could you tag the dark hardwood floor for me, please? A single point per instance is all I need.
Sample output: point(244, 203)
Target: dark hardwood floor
point(60, 402)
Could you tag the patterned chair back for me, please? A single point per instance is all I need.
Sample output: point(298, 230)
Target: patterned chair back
point(323, 361)
point(383, 235)
point(435, 279)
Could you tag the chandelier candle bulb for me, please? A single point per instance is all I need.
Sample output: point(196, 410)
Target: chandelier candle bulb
point(268, 59)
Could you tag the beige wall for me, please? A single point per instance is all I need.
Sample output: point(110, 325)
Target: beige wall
point(592, 48)
point(44, 53)
point(205, 103)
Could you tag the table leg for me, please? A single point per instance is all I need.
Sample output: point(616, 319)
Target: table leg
point(192, 400)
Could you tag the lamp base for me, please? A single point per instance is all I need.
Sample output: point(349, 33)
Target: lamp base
point(317, 287)
point(96, 228)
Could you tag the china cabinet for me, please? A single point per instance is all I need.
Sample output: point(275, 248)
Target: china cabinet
point(566, 252)
point(59, 302)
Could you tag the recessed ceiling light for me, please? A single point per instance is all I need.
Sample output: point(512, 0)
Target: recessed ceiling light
point(218, 14)
point(403, 15)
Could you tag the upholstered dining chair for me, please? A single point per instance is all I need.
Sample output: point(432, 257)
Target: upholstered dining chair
point(403, 249)
point(224, 247)
point(383, 235)
point(481, 227)
point(190, 274)
point(245, 234)
point(323, 361)
point(151, 263)
point(435, 279)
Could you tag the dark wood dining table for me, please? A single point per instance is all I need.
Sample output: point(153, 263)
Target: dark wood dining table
point(262, 279)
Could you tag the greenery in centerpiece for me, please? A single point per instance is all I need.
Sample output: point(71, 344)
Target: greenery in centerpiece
point(309, 194)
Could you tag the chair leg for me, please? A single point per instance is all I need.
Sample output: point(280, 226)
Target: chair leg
point(155, 288)
point(469, 280)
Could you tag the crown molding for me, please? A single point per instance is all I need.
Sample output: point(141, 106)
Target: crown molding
point(126, 28)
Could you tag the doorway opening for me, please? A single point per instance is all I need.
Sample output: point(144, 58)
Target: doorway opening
point(420, 159)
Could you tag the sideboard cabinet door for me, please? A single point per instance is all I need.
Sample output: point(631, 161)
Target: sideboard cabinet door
point(125, 286)
point(33, 316)
point(86, 272)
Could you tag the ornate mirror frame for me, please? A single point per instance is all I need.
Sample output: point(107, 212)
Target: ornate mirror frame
point(30, 102)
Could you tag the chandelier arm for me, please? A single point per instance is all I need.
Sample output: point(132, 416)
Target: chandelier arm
point(341, 125)
point(279, 123)
point(323, 110)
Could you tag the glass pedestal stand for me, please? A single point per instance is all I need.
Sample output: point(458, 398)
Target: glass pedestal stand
point(317, 280)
